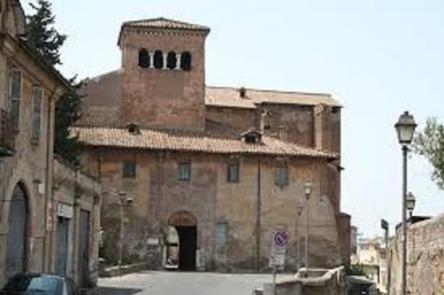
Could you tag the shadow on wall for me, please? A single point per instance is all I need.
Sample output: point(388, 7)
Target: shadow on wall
point(114, 291)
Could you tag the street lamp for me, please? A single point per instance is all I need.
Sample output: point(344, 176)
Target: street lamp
point(300, 208)
point(123, 201)
point(405, 128)
point(411, 201)
point(307, 192)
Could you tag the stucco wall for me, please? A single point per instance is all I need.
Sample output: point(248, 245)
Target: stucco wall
point(31, 164)
point(77, 191)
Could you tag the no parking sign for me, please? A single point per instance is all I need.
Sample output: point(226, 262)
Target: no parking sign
point(278, 249)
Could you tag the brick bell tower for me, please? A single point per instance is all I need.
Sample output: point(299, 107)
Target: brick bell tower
point(163, 74)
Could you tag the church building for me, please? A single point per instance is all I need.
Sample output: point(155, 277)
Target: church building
point(197, 177)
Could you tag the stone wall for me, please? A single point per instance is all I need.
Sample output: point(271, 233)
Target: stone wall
point(217, 205)
point(425, 258)
point(315, 282)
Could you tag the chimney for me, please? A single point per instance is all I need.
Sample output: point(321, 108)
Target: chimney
point(242, 92)
point(319, 126)
point(264, 114)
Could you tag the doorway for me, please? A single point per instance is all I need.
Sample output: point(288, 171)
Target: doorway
point(187, 247)
point(83, 258)
point(17, 233)
point(62, 245)
point(185, 225)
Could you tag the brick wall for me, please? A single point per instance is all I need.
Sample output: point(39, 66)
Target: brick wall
point(157, 98)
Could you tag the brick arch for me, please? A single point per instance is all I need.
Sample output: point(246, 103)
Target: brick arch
point(182, 218)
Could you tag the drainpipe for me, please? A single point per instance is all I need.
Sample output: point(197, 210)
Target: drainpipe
point(47, 249)
point(258, 216)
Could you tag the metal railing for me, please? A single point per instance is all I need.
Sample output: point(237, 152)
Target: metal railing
point(6, 134)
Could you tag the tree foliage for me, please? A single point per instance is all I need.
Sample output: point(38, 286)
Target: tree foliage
point(66, 114)
point(46, 40)
point(430, 143)
point(41, 34)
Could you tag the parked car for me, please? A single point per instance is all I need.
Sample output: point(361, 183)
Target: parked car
point(39, 284)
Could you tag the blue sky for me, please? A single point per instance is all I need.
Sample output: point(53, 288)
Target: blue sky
point(378, 58)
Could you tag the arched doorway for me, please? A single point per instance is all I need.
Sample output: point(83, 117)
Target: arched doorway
point(17, 233)
point(186, 227)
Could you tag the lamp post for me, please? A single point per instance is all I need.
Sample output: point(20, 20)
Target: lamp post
point(299, 207)
point(410, 203)
point(123, 201)
point(307, 192)
point(405, 128)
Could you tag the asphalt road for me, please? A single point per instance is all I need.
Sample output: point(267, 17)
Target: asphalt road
point(174, 283)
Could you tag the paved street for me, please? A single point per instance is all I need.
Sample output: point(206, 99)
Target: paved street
point(173, 283)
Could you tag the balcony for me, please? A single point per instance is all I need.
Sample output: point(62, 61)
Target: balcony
point(6, 135)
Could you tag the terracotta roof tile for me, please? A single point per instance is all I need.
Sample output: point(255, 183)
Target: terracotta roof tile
point(230, 97)
point(181, 141)
point(164, 23)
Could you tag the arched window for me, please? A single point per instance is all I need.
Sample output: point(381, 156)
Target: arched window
point(171, 60)
point(158, 59)
point(185, 61)
point(144, 59)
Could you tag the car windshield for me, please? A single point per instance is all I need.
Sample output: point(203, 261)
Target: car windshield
point(34, 285)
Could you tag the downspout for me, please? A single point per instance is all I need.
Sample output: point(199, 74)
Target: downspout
point(48, 190)
point(258, 216)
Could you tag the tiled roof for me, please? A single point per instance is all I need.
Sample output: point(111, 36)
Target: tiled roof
point(164, 23)
point(230, 97)
point(181, 141)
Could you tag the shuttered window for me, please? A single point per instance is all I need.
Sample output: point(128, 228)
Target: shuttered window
point(16, 96)
point(129, 169)
point(184, 171)
point(37, 96)
point(281, 177)
point(233, 172)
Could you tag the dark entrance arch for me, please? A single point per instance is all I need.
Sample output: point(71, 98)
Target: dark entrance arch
point(186, 227)
point(17, 233)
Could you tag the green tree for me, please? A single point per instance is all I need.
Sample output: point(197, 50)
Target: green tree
point(41, 33)
point(430, 143)
point(47, 41)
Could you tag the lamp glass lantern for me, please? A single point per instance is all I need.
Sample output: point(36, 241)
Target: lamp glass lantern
point(405, 127)
point(307, 189)
point(300, 208)
point(410, 202)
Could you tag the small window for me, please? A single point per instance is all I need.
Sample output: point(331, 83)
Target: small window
point(250, 138)
point(281, 177)
point(129, 169)
point(16, 95)
point(37, 95)
point(171, 60)
point(233, 172)
point(185, 61)
point(184, 171)
point(158, 59)
point(144, 59)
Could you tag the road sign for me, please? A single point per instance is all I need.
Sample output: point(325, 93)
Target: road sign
point(280, 238)
point(278, 249)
